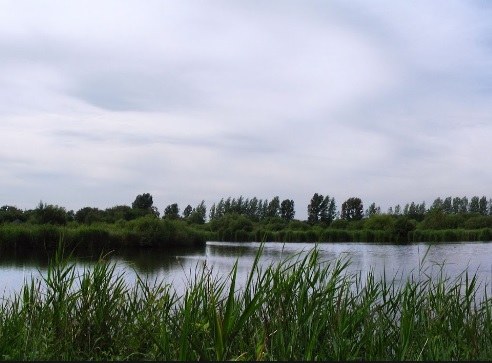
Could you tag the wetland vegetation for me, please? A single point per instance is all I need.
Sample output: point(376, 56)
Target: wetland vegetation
point(301, 308)
point(243, 219)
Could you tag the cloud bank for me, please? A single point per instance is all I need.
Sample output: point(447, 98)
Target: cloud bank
point(101, 101)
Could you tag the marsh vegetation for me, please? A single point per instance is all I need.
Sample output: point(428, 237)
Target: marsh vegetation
point(244, 219)
point(300, 308)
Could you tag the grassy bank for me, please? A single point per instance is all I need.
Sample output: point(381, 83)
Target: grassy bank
point(319, 234)
point(297, 309)
point(151, 231)
point(142, 232)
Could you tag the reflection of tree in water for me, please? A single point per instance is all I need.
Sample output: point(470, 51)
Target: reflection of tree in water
point(154, 260)
point(229, 251)
point(23, 258)
point(143, 260)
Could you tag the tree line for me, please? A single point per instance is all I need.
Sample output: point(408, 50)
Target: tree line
point(322, 209)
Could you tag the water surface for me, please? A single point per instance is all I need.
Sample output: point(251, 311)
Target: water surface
point(177, 266)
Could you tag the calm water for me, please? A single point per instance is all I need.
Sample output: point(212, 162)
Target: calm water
point(176, 266)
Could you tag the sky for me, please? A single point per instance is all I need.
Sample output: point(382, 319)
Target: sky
point(100, 101)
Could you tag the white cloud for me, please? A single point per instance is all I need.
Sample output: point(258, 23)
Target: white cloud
point(103, 101)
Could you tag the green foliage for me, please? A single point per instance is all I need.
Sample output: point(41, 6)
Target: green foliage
point(10, 214)
point(187, 211)
point(144, 231)
point(49, 214)
point(287, 211)
point(88, 215)
point(171, 211)
point(373, 210)
point(352, 209)
point(122, 212)
point(437, 219)
point(380, 222)
point(477, 222)
point(198, 215)
point(339, 224)
point(273, 208)
point(321, 209)
point(299, 225)
point(232, 227)
point(402, 228)
point(143, 201)
point(299, 309)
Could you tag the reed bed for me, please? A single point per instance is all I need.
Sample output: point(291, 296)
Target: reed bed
point(318, 234)
point(141, 232)
point(301, 308)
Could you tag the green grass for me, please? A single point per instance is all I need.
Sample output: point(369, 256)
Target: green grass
point(300, 308)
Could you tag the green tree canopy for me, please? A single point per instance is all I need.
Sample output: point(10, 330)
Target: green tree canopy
point(198, 214)
point(143, 201)
point(187, 211)
point(50, 214)
point(321, 209)
point(171, 211)
point(287, 211)
point(352, 209)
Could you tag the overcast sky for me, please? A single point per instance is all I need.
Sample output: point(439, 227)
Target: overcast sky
point(100, 101)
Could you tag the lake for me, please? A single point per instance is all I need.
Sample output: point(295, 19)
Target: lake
point(175, 266)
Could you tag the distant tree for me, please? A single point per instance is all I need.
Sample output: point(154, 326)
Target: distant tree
point(315, 207)
point(122, 212)
point(373, 210)
point(437, 204)
point(321, 209)
point(252, 209)
point(187, 211)
point(416, 211)
point(352, 209)
point(211, 213)
point(238, 205)
point(70, 215)
point(144, 205)
point(199, 213)
point(287, 211)
point(409, 208)
point(88, 215)
point(171, 211)
point(474, 205)
point(48, 213)
point(464, 205)
point(456, 205)
point(447, 205)
point(143, 201)
point(10, 213)
point(228, 206)
point(331, 211)
point(263, 209)
point(273, 209)
point(397, 210)
point(482, 206)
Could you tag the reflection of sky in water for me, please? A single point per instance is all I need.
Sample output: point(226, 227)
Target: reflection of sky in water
point(178, 267)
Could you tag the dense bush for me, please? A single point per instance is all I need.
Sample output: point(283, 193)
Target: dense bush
point(477, 222)
point(383, 222)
